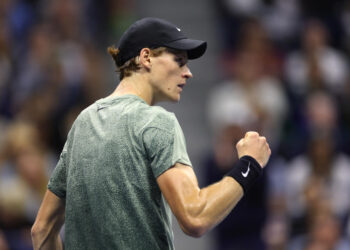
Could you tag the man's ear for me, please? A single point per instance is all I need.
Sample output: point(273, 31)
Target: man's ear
point(145, 58)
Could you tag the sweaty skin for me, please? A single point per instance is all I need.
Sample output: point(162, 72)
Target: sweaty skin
point(198, 210)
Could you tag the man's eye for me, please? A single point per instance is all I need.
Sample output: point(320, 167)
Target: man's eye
point(180, 61)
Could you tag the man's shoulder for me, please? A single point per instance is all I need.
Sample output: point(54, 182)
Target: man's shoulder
point(161, 113)
point(158, 117)
point(83, 115)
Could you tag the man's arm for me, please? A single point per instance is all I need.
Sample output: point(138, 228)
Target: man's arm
point(198, 210)
point(48, 223)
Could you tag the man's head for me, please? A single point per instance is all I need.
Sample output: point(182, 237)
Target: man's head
point(152, 33)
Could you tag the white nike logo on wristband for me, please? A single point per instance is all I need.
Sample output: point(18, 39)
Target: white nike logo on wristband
point(247, 172)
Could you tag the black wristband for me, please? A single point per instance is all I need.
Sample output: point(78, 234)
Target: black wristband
point(246, 171)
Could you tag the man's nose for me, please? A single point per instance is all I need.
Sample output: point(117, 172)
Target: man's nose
point(187, 73)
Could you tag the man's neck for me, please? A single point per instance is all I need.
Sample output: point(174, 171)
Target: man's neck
point(135, 85)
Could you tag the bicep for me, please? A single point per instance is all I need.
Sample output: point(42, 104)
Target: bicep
point(180, 188)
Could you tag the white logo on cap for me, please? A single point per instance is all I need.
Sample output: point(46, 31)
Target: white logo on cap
point(178, 29)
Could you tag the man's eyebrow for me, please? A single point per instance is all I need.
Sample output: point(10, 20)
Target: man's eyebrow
point(181, 55)
point(178, 52)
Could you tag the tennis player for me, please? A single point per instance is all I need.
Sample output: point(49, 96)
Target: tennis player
point(124, 166)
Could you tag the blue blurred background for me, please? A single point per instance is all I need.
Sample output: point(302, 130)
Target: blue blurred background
point(280, 67)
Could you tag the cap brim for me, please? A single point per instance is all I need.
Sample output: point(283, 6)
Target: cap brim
point(194, 48)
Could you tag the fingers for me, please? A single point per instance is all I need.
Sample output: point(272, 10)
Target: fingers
point(254, 145)
point(240, 143)
point(251, 134)
point(262, 139)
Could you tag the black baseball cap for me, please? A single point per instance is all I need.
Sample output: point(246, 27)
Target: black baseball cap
point(153, 33)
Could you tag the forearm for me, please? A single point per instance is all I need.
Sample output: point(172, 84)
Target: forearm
point(198, 210)
point(218, 201)
point(43, 242)
point(221, 197)
point(48, 223)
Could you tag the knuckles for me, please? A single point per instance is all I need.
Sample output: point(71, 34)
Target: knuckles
point(255, 145)
point(252, 138)
point(239, 143)
point(252, 134)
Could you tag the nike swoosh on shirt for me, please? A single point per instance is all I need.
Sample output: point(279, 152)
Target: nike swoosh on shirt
point(247, 172)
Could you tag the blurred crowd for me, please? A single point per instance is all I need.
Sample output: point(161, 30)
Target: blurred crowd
point(285, 73)
point(285, 67)
point(53, 63)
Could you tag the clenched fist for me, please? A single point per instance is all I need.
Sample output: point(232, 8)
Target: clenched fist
point(255, 146)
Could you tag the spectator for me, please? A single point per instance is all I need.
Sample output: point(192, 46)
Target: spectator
point(254, 38)
point(251, 99)
point(276, 229)
point(317, 65)
point(280, 18)
point(35, 67)
point(322, 172)
point(23, 180)
point(311, 181)
point(324, 233)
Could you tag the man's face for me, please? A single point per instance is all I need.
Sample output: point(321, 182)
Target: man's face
point(169, 73)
